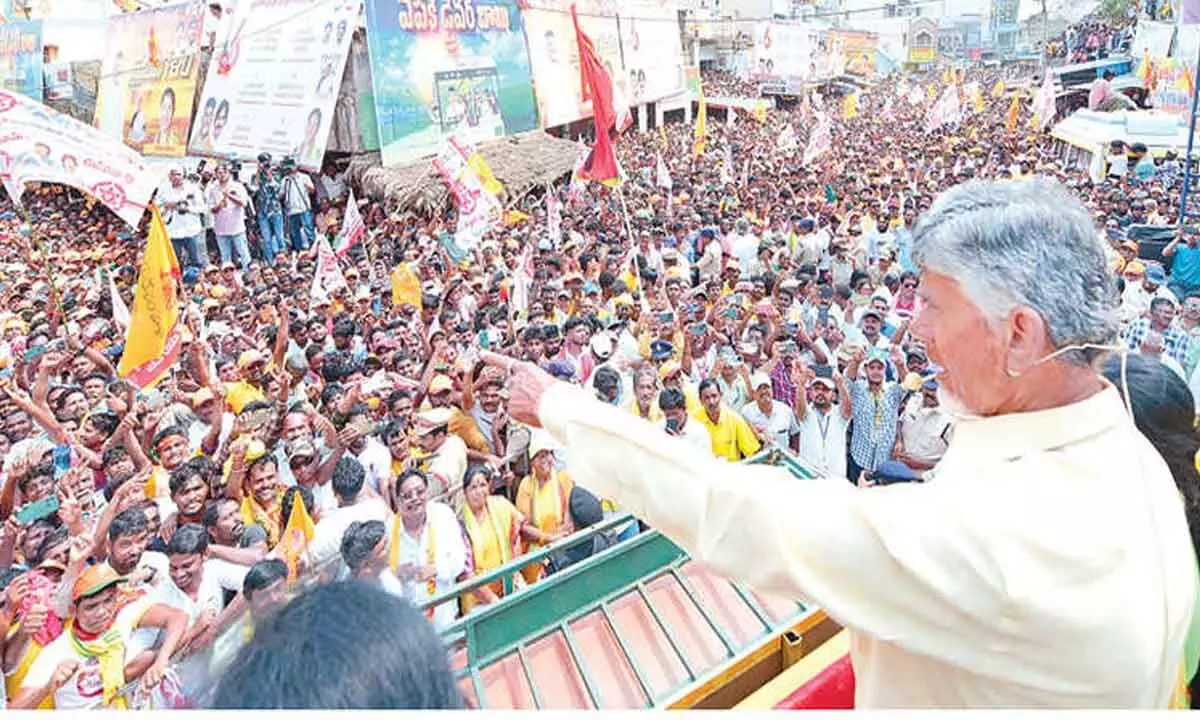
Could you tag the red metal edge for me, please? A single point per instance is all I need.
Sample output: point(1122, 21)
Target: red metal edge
point(830, 689)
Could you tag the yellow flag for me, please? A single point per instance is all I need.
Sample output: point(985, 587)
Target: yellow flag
point(152, 342)
point(977, 99)
point(662, 136)
point(931, 93)
point(1014, 111)
point(948, 76)
point(700, 135)
point(514, 217)
point(760, 111)
point(406, 287)
point(850, 106)
point(296, 536)
point(998, 89)
point(484, 172)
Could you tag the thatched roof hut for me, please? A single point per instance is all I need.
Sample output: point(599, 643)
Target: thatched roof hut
point(519, 162)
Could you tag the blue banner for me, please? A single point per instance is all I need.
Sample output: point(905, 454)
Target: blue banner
point(443, 68)
point(21, 58)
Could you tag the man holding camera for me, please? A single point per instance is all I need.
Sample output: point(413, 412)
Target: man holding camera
point(182, 203)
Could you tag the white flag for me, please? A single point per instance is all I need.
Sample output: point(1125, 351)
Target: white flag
point(1044, 108)
point(328, 276)
point(353, 227)
point(787, 139)
point(553, 217)
point(946, 111)
point(663, 179)
point(522, 276)
point(727, 166)
point(120, 311)
point(731, 118)
point(821, 140)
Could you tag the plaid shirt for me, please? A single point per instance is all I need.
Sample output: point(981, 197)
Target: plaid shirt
point(785, 389)
point(1175, 340)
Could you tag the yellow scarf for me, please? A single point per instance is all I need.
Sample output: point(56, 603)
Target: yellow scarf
point(254, 514)
point(430, 554)
point(492, 510)
point(109, 650)
point(560, 500)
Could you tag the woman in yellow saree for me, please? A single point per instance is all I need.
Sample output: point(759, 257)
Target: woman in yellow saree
point(542, 498)
point(493, 527)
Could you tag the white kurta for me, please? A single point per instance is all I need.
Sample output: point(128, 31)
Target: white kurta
point(450, 557)
point(1047, 564)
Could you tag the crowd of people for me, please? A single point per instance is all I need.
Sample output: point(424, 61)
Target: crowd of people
point(751, 302)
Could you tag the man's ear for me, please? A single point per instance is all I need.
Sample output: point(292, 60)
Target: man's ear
point(1028, 340)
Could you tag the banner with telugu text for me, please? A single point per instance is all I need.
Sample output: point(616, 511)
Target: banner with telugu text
point(447, 68)
point(21, 57)
point(38, 144)
point(148, 78)
point(783, 52)
point(554, 55)
point(272, 84)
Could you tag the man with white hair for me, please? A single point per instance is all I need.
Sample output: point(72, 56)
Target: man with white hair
point(1046, 562)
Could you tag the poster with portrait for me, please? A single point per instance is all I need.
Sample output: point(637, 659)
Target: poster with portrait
point(148, 78)
point(554, 55)
point(651, 49)
point(272, 83)
point(21, 57)
point(447, 68)
point(783, 52)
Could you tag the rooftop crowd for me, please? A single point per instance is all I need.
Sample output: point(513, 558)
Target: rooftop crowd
point(757, 303)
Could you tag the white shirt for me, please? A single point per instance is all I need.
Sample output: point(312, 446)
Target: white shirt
point(326, 544)
point(376, 459)
point(823, 440)
point(1046, 563)
point(925, 431)
point(745, 249)
point(776, 429)
point(84, 690)
point(183, 224)
point(694, 433)
point(450, 557)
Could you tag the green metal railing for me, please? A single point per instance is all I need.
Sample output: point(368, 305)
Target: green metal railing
point(524, 616)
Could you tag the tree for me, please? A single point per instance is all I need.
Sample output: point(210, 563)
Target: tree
point(1114, 9)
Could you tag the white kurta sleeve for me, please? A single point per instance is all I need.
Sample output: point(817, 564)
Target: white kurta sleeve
point(895, 562)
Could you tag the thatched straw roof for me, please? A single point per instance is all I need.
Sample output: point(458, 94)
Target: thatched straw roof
point(519, 162)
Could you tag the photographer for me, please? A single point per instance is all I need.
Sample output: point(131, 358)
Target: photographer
point(296, 190)
point(182, 202)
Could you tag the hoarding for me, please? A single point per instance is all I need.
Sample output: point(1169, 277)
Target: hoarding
point(21, 57)
point(271, 86)
point(148, 78)
point(554, 55)
point(449, 69)
point(651, 50)
point(783, 51)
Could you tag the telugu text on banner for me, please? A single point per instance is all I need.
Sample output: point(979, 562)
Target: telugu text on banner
point(38, 144)
point(783, 52)
point(478, 210)
point(148, 78)
point(554, 56)
point(21, 57)
point(651, 49)
point(271, 86)
point(445, 68)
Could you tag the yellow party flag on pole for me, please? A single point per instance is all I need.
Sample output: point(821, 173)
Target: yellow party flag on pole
point(514, 217)
point(483, 171)
point(998, 89)
point(296, 536)
point(700, 135)
point(406, 287)
point(1014, 110)
point(153, 339)
point(760, 111)
point(850, 106)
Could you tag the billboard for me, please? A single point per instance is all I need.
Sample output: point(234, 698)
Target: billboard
point(783, 51)
point(271, 86)
point(857, 50)
point(148, 78)
point(554, 55)
point(651, 50)
point(451, 69)
point(21, 58)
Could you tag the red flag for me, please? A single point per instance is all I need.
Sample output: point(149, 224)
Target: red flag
point(601, 164)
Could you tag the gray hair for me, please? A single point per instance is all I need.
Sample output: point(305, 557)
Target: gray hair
point(1029, 243)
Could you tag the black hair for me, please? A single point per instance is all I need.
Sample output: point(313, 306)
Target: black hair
point(130, 521)
point(113, 454)
point(706, 384)
point(255, 406)
point(671, 399)
point(57, 536)
point(378, 652)
point(182, 474)
point(476, 469)
point(359, 541)
point(190, 539)
point(262, 575)
point(348, 477)
point(289, 499)
point(167, 432)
